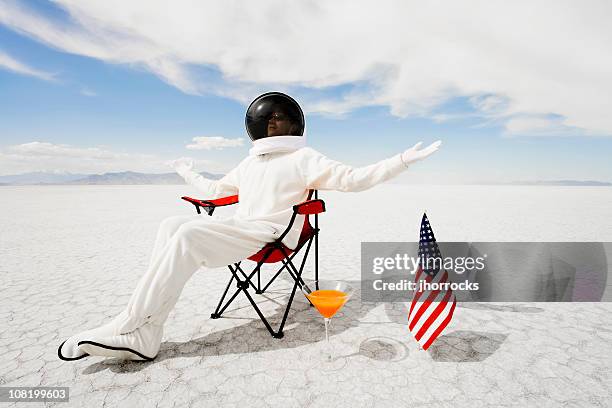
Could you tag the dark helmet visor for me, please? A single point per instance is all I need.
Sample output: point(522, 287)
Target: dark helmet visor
point(261, 109)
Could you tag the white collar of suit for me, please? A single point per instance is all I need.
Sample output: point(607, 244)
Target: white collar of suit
point(275, 144)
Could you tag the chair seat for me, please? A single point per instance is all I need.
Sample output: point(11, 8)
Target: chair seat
point(277, 254)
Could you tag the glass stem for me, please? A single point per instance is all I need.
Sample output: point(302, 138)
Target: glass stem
point(328, 345)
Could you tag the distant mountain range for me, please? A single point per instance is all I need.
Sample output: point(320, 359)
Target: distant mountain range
point(40, 177)
point(131, 177)
point(125, 177)
point(559, 183)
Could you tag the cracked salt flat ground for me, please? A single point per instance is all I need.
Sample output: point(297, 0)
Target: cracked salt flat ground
point(71, 255)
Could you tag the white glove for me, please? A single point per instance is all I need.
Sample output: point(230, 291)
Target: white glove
point(182, 165)
point(414, 155)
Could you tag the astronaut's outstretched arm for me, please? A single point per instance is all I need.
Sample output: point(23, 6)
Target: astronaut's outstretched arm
point(226, 186)
point(322, 173)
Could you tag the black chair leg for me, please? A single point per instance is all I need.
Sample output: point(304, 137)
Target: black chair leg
point(217, 313)
point(258, 289)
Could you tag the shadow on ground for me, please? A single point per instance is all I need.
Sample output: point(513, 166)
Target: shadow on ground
point(304, 326)
point(465, 346)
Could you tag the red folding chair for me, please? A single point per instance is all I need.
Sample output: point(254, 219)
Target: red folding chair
point(271, 253)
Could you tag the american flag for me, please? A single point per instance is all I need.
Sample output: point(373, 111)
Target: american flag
point(430, 310)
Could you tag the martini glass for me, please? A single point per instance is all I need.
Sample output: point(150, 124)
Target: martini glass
point(328, 297)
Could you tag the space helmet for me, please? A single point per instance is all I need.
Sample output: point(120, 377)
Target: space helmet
point(261, 109)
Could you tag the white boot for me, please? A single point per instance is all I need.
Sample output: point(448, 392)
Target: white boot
point(69, 349)
point(142, 344)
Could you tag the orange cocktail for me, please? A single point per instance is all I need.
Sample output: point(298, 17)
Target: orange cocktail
point(327, 301)
point(327, 296)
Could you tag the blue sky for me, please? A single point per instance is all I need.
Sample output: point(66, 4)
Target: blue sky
point(71, 104)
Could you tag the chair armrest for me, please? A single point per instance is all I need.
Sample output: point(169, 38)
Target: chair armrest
point(310, 207)
point(217, 202)
point(210, 205)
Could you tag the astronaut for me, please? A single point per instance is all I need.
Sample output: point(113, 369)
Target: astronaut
point(277, 174)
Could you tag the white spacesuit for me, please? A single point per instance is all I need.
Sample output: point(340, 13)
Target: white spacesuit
point(276, 175)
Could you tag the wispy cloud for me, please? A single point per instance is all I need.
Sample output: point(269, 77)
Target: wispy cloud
point(51, 157)
point(214, 143)
point(9, 63)
point(538, 126)
point(513, 59)
point(87, 92)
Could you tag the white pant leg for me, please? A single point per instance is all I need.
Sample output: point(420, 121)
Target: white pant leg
point(201, 242)
point(166, 229)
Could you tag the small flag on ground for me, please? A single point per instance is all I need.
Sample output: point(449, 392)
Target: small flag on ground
point(431, 309)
